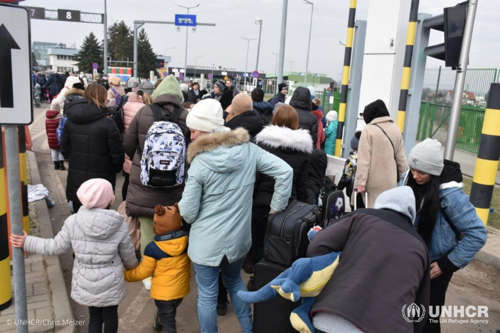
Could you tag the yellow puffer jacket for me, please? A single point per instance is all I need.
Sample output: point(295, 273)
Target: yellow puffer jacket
point(166, 258)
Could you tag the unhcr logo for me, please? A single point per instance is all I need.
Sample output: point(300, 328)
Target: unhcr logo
point(413, 313)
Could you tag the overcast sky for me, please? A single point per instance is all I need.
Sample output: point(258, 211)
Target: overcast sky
point(223, 46)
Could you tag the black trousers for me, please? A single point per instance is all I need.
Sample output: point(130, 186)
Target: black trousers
point(222, 296)
point(439, 286)
point(167, 311)
point(125, 185)
point(107, 315)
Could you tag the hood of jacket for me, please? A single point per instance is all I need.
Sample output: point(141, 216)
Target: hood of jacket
point(223, 150)
point(301, 99)
point(75, 91)
point(168, 86)
point(399, 199)
point(168, 99)
point(451, 176)
point(80, 111)
point(70, 81)
point(318, 114)
point(286, 138)
point(173, 247)
point(263, 107)
point(374, 110)
point(52, 114)
point(99, 223)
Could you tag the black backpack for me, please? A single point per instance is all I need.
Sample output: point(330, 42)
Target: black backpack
point(116, 113)
point(286, 235)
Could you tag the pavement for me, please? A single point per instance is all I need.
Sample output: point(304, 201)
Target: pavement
point(48, 277)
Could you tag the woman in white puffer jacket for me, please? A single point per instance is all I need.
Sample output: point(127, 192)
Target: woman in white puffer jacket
point(99, 238)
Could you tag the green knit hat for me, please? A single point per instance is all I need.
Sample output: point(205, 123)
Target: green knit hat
point(168, 86)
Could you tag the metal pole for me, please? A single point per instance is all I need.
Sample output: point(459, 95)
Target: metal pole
point(258, 46)
point(282, 41)
point(437, 85)
point(308, 43)
point(246, 64)
point(136, 27)
point(275, 68)
point(105, 66)
point(186, 52)
point(15, 215)
point(460, 81)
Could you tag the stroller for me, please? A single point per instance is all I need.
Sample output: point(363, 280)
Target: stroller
point(36, 95)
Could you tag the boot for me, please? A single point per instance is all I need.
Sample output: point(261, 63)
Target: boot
point(61, 166)
point(57, 166)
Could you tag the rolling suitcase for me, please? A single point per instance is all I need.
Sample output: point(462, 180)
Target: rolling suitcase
point(272, 315)
point(286, 235)
point(356, 200)
point(333, 207)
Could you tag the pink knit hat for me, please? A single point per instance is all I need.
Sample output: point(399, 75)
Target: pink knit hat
point(96, 193)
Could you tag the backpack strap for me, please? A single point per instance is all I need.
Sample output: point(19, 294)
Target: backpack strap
point(175, 115)
point(157, 112)
point(393, 149)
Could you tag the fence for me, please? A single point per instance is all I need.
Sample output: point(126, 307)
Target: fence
point(433, 123)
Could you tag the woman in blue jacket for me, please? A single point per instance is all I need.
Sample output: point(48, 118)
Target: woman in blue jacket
point(331, 132)
point(217, 202)
point(444, 213)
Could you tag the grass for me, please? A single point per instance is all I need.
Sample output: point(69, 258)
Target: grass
point(494, 218)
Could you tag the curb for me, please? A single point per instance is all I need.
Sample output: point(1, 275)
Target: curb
point(489, 254)
point(62, 309)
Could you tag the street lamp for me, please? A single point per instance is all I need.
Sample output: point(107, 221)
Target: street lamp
point(187, 30)
point(309, 43)
point(165, 51)
point(259, 22)
point(195, 64)
point(246, 65)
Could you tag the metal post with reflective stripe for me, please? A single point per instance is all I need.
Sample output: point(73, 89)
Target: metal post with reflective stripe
point(486, 169)
point(5, 283)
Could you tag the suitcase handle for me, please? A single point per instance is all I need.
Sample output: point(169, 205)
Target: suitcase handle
point(356, 198)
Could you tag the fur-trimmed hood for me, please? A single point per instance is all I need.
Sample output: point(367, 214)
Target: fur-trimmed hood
point(286, 138)
point(75, 91)
point(228, 157)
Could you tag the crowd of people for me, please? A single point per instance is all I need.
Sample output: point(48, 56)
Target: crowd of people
point(224, 161)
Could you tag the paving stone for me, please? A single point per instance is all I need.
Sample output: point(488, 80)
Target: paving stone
point(39, 278)
point(37, 298)
point(40, 288)
point(39, 305)
point(43, 314)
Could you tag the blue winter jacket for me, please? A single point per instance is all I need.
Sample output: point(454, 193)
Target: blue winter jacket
point(217, 198)
point(456, 205)
point(331, 135)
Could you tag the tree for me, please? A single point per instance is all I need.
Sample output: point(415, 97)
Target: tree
point(147, 57)
point(90, 52)
point(120, 45)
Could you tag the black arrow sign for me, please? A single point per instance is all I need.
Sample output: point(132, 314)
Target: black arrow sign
point(7, 43)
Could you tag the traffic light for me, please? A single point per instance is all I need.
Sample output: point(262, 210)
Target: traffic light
point(160, 63)
point(452, 23)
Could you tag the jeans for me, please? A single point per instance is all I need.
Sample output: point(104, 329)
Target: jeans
point(167, 311)
point(56, 155)
point(107, 315)
point(207, 278)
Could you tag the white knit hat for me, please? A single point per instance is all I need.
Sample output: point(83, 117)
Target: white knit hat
point(331, 116)
point(427, 157)
point(205, 116)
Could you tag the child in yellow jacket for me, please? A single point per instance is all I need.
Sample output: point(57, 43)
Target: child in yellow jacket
point(166, 259)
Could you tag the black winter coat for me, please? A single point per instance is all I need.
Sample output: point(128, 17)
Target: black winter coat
point(93, 145)
point(265, 110)
point(318, 162)
point(293, 147)
point(249, 120)
point(301, 101)
point(278, 98)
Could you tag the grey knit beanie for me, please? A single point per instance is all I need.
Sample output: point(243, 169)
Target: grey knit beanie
point(427, 157)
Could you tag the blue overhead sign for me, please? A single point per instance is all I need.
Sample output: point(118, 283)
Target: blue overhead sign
point(184, 20)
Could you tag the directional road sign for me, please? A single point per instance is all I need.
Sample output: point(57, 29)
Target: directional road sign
point(95, 65)
point(68, 15)
point(16, 107)
point(183, 20)
point(255, 74)
point(210, 76)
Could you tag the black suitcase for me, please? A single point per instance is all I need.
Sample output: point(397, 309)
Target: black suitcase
point(333, 207)
point(272, 315)
point(286, 235)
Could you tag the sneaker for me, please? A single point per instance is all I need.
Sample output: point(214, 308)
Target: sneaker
point(222, 309)
point(251, 284)
point(147, 283)
point(157, 326)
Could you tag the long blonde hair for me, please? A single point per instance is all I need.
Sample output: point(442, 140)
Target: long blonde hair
point(146, 98)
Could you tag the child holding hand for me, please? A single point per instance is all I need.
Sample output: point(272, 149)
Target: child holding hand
point(99, 238)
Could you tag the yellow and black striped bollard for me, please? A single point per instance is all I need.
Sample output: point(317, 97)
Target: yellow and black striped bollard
point(486, 169)
point(405, 80)
point(345, 77)
point(5, 284)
